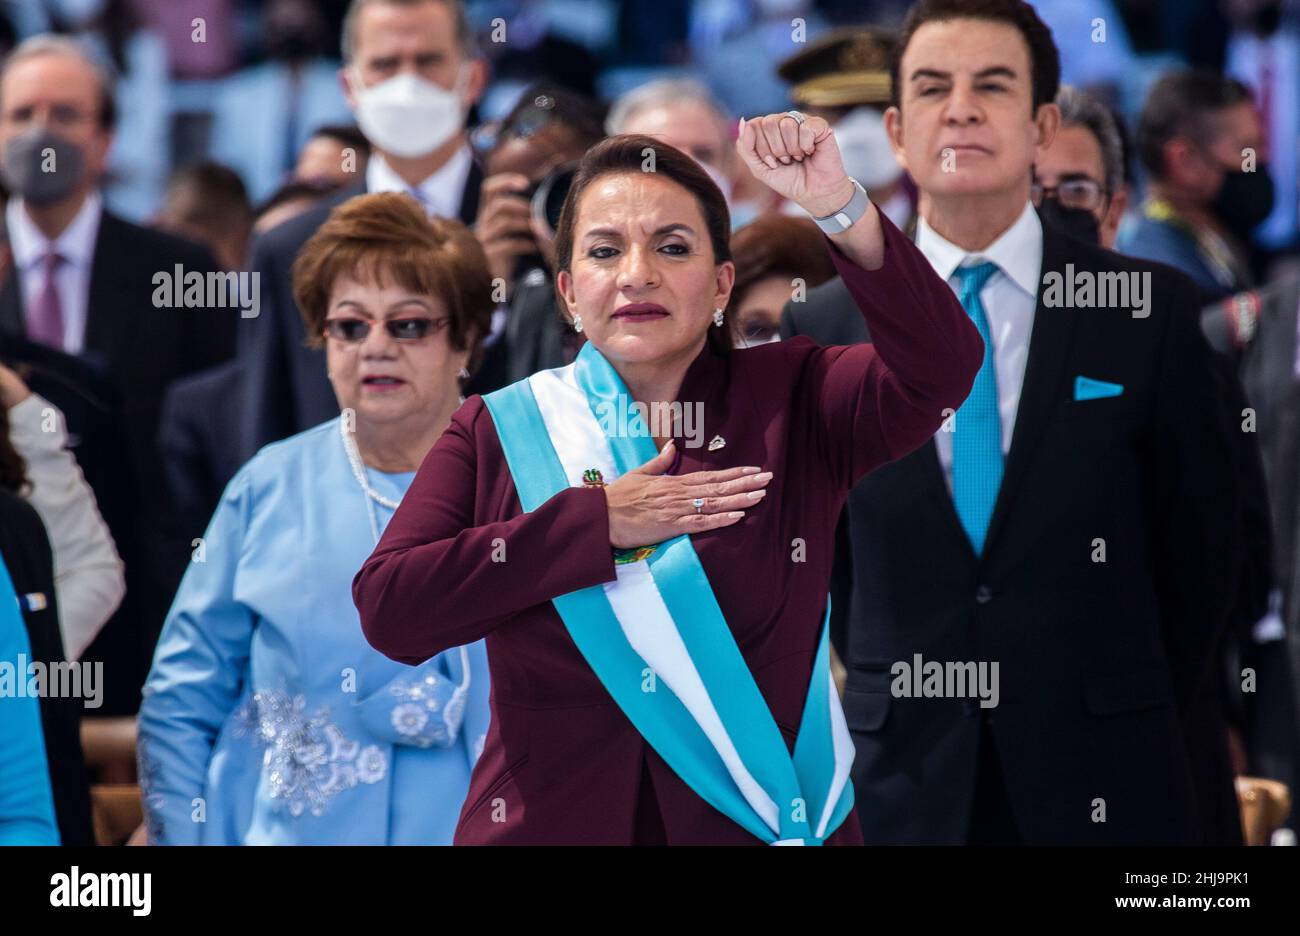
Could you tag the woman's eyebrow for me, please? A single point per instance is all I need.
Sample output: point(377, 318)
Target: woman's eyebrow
point(353, 304)
point(659, 231)
point(409, 300)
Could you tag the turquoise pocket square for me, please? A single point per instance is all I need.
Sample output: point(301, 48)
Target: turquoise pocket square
point(1085, 388)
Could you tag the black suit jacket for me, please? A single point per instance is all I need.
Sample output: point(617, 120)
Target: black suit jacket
point(286, 389)
point(1096, 659)
point(534, 336)
point(132, 351)
point(199, 441)
point(26, 552)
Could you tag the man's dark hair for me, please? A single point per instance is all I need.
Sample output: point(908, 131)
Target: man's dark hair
point(1184, 103)
point(216, 194)
point(348, 134)
point(545, 103)
point(1044, 62)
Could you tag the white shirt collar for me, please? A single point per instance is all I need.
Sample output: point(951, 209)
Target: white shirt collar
point(442, 192)
point(76, 244)
point(1018, 251)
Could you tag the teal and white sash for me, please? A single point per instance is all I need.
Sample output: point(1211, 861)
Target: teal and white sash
point(657, 639)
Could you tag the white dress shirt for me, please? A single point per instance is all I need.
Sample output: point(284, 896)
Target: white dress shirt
point(88, 575)
point(72, 277)
point(1009, 297)
point(441, 193)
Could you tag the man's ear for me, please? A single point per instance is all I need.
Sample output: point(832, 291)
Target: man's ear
point(346, 85)
point(1109, 228)
point(1046, 123)
point(894, 128)
point(477, 81)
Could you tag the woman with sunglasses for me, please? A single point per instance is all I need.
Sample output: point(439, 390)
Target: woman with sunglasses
point(267, 719)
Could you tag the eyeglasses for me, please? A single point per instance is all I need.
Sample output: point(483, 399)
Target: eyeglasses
point(1084, 194)
point(355, 330)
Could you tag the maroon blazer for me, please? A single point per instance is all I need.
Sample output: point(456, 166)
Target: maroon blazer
point(562, 763)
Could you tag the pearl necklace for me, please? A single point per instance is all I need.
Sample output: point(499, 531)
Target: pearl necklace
point(359, 472)
point(363, 481)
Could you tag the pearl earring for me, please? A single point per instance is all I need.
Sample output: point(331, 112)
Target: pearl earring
point(717, 317)
point(577, 322)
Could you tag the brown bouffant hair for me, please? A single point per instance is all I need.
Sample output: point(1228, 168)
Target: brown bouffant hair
point(779, 245)
point(633, 152)
point(388, 235)
point(1044, 61)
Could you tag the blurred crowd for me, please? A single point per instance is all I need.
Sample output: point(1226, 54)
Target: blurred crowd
point(213, 138)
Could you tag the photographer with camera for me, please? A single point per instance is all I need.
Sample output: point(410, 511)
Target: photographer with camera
point(529, 169)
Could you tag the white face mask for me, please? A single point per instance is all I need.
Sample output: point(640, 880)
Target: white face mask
point(407, 115)
point(864, 147)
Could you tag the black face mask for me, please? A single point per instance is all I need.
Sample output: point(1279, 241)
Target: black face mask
point(1072, 221)
point(42, 166)
point(1245, 199)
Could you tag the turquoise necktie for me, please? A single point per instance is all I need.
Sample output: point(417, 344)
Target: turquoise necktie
point(977, 432)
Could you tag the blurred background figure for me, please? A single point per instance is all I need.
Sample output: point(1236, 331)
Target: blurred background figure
point(83, 287)
point(1080, 180)
point(25, 550)
point(265, 115)
point(411, 71)
point(113, 32)
point(336, 154)
point(843, 76)
point(1264, 54)
point(1202, 142)
point(529, 168)
point(289, 201)
point(87, 572)
point(683, 113)
point(778, 259)
point(207, 203)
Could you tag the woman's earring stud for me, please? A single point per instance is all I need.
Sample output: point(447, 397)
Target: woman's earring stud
point(577, 322)
point(717, 317)
point(464, 373)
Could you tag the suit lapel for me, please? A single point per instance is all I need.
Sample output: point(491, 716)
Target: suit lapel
point(11, 306)
point(469, 198)
point(1049, 345)
point(103, 324)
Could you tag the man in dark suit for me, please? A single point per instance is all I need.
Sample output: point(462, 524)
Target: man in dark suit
point(1066, 525)
point(411, 72)
point(87, 283)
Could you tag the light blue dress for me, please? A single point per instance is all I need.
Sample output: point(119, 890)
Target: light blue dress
point(267, 717)
point(26, 801)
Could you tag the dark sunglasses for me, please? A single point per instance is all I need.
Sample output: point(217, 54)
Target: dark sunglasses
point(354, 330)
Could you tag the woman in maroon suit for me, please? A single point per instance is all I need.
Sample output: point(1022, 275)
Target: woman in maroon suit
point(674, 692)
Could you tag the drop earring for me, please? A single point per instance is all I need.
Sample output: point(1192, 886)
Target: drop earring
point(717, 317)
point(577, 322)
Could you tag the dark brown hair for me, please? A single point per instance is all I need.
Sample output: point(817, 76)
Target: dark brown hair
point(388, 235)
point(778, 245)
point(629, 153)
point(1184, 104)
point(1044, 61)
